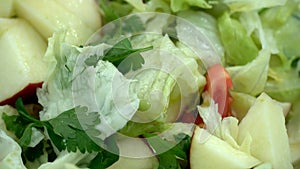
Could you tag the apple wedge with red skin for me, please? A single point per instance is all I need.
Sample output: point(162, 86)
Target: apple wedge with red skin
point(28, 95)
point(22, 68)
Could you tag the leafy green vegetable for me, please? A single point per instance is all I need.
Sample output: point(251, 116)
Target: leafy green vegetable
point(74, 136)
point(65, 132)
point(249, 5)
point(252, 77)
point(70, 82)
point(121, 53)
point(65, 128)
point(10, 153)
point(104, 158)
point(110, 14)
point(239, 47)
point(135, 129)
point(207, 24)
point(183, 5)
point(170, 154)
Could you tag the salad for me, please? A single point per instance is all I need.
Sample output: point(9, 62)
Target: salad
point(149, 84)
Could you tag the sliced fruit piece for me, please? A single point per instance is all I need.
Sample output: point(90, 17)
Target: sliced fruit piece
point(242, 102)
point(49, 16)
point(134, 154)
point(7, 8)
point(21, 64)
point(209, 151)
point(265, 123)
point(86, 10)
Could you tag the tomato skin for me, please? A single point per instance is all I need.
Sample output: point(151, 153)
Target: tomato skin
point(218, 85)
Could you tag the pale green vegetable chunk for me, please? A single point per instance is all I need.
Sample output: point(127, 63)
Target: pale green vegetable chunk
point(10, 154)
point(266, 124)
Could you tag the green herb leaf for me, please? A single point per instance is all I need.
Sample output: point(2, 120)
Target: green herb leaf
point(65, 131)
point(167, 160)
point(32, 153)
point(108, 12)
point(26, 137)
point(70, 129)
point(122, 55)
point(104, 158)
point(176, 155)
point(15, 124)
point(22, 125)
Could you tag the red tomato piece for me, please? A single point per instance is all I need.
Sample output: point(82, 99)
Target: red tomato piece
point(218, 85)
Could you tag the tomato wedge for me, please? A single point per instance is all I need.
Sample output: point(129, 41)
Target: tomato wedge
point(218, 85)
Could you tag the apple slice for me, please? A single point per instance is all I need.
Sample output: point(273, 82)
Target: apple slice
point(134, 154)
point(21, 64)
point(49, 16)
point(87, 11)
point(265, 123)
point(7, 8)
point(209, 151)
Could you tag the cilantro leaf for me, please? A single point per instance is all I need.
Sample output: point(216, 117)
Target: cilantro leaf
point(167, 160)
point(123, 51)
point(176, 155)
point(104, 157)
point(108, 12)
point(22, 125)
point(65, 131)
point(15, 124)
point(32, 153)
point(122, 55)
point(70, 129)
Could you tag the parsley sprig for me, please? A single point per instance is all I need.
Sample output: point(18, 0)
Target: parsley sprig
point(65, 132)
point(122, 55)
point(176, 156)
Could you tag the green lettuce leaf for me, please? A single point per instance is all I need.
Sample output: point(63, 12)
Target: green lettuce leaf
point(65, 161)
point(165, 69)
point(10, 154)
point(72, 82)
point(183, 5)
point(206, 24)
point(252, 77)
point(239, 46)
point(249, 5)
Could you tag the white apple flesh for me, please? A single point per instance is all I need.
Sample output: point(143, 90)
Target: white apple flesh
point(265, 123)
point(208, 151)
point(22, 50)
point(7, 8)
point(50, 16)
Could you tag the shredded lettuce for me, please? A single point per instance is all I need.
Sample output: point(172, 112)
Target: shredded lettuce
point(239, 46)
point(101, 88)
point(249, 5)
point(252, 77)
point(10, 155)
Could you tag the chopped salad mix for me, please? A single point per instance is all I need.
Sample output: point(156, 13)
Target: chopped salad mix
point(149, 84)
